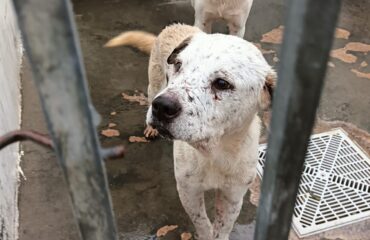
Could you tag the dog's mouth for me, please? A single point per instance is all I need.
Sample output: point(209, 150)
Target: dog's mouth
point(162, 130)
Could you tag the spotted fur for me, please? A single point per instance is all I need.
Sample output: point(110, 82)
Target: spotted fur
point(216, 133)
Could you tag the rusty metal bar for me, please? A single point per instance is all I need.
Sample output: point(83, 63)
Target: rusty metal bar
point(310, 26)
point(22, 135)
point(52, 47)
point(45, 141)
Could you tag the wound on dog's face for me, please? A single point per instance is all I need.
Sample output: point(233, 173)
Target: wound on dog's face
point(221, 81)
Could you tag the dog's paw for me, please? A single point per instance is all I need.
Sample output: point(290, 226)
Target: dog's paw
point(150, 132)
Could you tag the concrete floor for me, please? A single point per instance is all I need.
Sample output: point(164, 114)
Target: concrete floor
point(142, 184)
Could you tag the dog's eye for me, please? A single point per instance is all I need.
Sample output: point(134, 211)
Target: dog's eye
point(221, 84)
point(177, 65)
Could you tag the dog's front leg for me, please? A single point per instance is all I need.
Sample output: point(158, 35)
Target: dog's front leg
point(202, 20)
point(193, 202)
point(228, 205)
point(237, 26)
point(203, 23)
point(236, 22)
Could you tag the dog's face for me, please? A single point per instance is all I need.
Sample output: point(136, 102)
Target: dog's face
point(215, 85)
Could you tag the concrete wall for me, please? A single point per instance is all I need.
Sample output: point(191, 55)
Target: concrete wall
point(10, 109)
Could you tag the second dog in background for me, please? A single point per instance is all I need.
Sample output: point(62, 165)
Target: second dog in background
point(234, 12)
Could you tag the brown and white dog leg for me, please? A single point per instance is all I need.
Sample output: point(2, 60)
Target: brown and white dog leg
point(228, 205)
point(192, 200)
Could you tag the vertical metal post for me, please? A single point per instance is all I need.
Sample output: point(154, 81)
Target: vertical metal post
point(51, 44)
point(307, 41)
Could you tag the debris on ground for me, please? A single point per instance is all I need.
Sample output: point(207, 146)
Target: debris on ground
point(360, 74)
point(341, 54)
point(141, 99)
point(113, 113)
point(342, 33)
point(136, 139)
point(110, 133)
point(358, 47)
point(275, 36)
point(363, 64)
point(164, 230)
point(331, 64)
point(264, 51)
point(275, 59)
point(186, 236)
point(111, 125)
point(150, 132)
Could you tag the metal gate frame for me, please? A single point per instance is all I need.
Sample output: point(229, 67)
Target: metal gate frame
point(51, 42)
point(308, 37)
point(52, 46)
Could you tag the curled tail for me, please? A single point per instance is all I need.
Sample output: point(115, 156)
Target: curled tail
point(143, 41)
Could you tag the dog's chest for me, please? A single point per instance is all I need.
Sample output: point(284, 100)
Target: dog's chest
point(214, 178)
point(223, 171)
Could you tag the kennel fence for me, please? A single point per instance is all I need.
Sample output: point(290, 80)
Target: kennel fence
point(51, 43)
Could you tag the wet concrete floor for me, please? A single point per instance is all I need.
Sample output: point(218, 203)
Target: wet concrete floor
point(142, 184)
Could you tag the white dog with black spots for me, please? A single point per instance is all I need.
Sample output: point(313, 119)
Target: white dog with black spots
point(205, 91)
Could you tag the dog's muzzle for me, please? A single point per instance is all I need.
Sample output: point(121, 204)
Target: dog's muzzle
point(165, 108)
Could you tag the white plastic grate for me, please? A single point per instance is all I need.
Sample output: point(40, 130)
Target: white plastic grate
point(335, 184)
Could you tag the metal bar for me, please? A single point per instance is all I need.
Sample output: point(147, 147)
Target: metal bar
point(22, 135)
point(310, 26)
point(45, 141)
point(51, 44)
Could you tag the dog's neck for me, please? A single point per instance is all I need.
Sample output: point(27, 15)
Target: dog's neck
point(228, 142)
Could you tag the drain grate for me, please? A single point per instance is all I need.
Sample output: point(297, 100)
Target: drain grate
point(335, 184)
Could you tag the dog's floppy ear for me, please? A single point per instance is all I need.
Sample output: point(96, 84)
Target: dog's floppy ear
point(172, 58)
point(268, 90)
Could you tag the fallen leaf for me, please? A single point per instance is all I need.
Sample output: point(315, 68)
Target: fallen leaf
point(361, 74)
point(258, 45)
point(164, 230)
point(186, 236)
point(341, 54)
point(138, 139)
point(113, 113)
point(342, 33)
point(363, 64)
point(264, 51)
point(111, 125)
point(141, 99)
point(331, 64)
point(358, 47)
point(110, 133)
point(275, 36)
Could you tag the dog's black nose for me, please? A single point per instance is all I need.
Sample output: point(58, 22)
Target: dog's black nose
point(165, 108)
